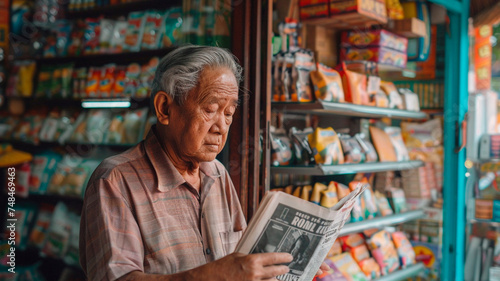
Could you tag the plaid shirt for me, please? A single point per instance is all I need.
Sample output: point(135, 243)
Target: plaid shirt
point(140, 214)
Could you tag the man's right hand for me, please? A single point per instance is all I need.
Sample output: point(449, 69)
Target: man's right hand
point(237, 266)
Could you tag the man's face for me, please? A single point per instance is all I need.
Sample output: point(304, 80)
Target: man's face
point(201, 124)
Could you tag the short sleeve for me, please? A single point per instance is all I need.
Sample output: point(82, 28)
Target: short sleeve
point(110, 241)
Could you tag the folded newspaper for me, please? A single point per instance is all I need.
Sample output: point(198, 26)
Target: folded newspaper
point(285, 223)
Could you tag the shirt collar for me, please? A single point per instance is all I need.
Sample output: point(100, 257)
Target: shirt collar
point(166, 173)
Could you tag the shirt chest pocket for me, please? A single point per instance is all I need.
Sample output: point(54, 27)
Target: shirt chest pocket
point(229, 240)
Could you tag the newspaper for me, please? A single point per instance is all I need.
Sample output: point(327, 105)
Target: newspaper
point(285, 223)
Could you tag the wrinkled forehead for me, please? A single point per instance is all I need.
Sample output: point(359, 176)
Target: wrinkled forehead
point(215, 84)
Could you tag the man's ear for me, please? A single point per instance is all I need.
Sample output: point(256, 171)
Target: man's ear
point(163, 103)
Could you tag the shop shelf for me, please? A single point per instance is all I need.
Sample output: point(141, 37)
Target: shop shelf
point(403, 274)
point(122, 8)
point(344, 169)
point(347, 109)
point(381, 222)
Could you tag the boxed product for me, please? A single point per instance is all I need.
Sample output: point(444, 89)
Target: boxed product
point(409, 28)
point(381, 55)
point(320, 10)
point(374, 38)
point(373, 8)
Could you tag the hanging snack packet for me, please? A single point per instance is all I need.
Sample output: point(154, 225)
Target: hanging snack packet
point(327, 84)
point(117, 40)
point(304, 64)
point(353, 154)
point(281, 153)
point(152, 30)
point(316, 194)
point(135, 31)
point(301, 149)
point(395, 100)
point(383, 204)
point(354, 86)
point(394, 134)
point(107, 80)
point(329, 196)
point(367, 148)
point(326, 145)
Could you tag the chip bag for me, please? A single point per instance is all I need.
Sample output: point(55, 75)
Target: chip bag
point(326, 146)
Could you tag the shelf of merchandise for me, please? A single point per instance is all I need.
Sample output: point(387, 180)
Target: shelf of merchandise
point(347, 109)
point(122, 8)
point(403, 274)
point(345, 169)
point(94, 59)
point(380, 222)
point(492, 223)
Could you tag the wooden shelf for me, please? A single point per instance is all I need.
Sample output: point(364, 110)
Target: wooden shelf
point(346, 20)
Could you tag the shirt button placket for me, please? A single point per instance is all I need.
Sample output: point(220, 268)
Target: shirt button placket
point(208, 251)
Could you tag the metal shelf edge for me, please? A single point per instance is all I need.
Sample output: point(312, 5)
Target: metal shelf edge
point(403, 274)
point(380, 222)
point(348, 168)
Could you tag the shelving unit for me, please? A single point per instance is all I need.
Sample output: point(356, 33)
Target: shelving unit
point(121, 8)
point(322, 170)
point(403, 274)
point(357, 227)
point(347, 109)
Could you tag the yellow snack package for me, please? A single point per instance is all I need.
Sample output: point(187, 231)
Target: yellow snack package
point(316, 194)
point(306, 192)
point(327, 84)
point(297, 191)
point(326, 146)
point(329, 196)
point(288, 189)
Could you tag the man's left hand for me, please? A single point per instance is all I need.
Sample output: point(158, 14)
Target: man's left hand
point(322, 268)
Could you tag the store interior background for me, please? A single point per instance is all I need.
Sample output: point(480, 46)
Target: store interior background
point(406, 95)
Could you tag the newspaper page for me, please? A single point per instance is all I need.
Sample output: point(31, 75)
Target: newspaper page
point(303, 229)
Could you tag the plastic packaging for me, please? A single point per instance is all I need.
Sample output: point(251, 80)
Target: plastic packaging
point(396, 138)
point(353, 153)
point(303, 65)
point(317, 191)
point(302, 151)
point(281, 153)
point(405, 250)
point(326, 143)
point(327, 84)
point(329, 196)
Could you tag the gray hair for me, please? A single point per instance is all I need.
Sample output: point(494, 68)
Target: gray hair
point(178, 72)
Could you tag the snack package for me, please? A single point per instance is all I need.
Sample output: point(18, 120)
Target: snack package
point(353, 153)
point(360, 253)
point(374, 38)
point(172, 27)
point(116, 132)
point(76, 41)
point(370, 268)
point(303, 65)
point(107, 80)
point(367, 148)
point(346, 264)
point(59, 232)
point(152, 30)
point(107, 29)
point(335, 250)
point(358, 210)
point(381, 141)
point(384, 252)
point(350, 241)
point(395, 100)
point(76, 180)
point(276, 70)
point(397, 199)
point(326, 144)
point(39, 232)
point(327, 84)
point(44, 81)
point(63, 168)
point(405, 249)
point(72, 255)
point(371, 209)
point(23, 216)
point(420, 135)
point(305, 193)
point(79, 82)
point(410, 100)
point(333, 274)
point(342, 190)
point(302, 151)
point(146, 78)
point(133, 124)
point(329, 196)
point(281, 153)
point(117, 40)
point(93, 82)
point(380, 55)
point(132, 79)
point(394, 134)
point(383, 204)
point(289, 89)
point(316, 193)
point(63, 35)
point(120, 77)
point(394, 9)
point(91, 36)
point(21, 181)
point(135, 31)
point(42, 167)
point(354, 86)
point(297, 191)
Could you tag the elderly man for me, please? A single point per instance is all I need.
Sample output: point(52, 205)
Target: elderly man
point(166, 209)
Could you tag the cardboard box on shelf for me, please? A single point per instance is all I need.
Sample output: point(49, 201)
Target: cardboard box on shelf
point(321, 40)
point(409, 28)
point(381, 55)
point(374, 38)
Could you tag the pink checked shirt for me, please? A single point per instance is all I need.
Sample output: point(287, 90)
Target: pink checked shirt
point(140, 214)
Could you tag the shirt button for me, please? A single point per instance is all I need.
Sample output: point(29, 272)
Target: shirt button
point(202, 215)
point(208, 251)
